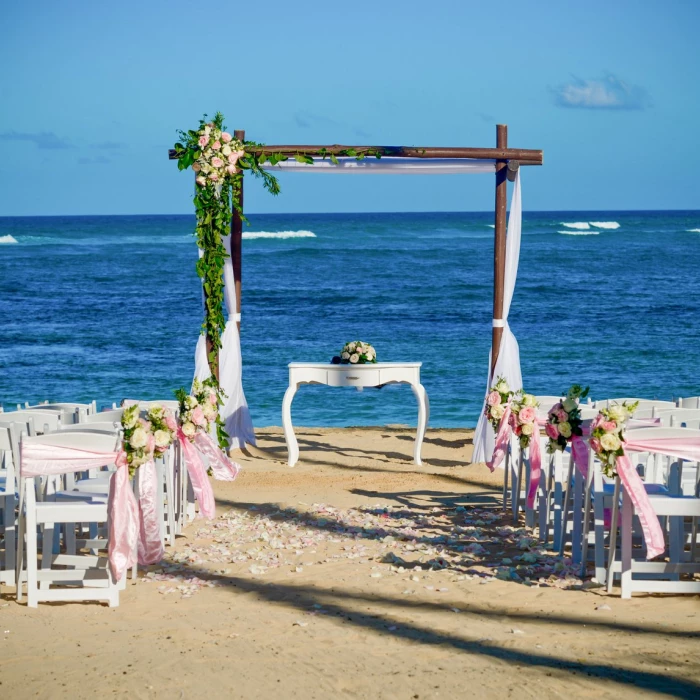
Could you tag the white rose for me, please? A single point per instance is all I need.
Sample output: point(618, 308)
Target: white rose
point(610, 442)
point(354, 358)
point(498, 411)
point(350, 347)
point(618, 413)
point(527, 428)
point(209, 411)
point(568, 404)
point(191, 402)
point(139, 438)
point(564, 429)
point(528, 400)
point(345, 356)
point(226, 150)
point(189, 429)
point(156, 411)
point(502, 386)
point(130, 417)
point(162, 438)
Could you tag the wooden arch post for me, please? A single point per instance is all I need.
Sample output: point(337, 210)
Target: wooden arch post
point(499, 246)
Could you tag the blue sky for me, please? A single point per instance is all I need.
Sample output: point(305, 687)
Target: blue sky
point(92, 93)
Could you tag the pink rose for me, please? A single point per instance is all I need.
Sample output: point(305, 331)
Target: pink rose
point(527, 414)
point(609, 426)
point(233, 158)
point(231, 169)
point(595, 445)
point(597, 421)
point(145, 424)
point(226, 137)
point(551, 431)
point(201, 181)
point(198, 417)
point(216, 145)
point(213, 177)
point(203, 141)
point(562, 415)
point(212, 399)
point(494, 398)
point(217, 162)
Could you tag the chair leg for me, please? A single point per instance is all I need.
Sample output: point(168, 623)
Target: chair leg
point(586, 526)
point(612, 546)
point(32, 554)
point(599, 529)
point(626, 545)
point(47, 550)
point(506, 471)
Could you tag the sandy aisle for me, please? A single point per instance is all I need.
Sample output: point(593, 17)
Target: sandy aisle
point(317, 595)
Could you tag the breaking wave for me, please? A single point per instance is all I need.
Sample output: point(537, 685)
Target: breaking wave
point(612, 225)
point(278, 234)
point(690, 230)
point(580, 233)
point(581, 225)
point(8, 239)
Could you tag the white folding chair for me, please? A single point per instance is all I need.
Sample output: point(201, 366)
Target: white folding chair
point(690, 402)
point(113, 416)
point(87, 575)
point(9, 459)
point(43, 421)
point(670, 504)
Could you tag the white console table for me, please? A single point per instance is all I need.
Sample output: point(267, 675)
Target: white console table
point(359, 376)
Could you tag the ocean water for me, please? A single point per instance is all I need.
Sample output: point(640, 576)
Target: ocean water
point(109, 307)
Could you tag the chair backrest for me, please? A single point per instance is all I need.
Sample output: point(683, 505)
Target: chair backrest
point(9, 454)
point(662, 432)
point(644, 404)
point(42, 420)
point(96, 427)
point(690, 402)
point(93, 440)
point(588, 412)
point(113, 416)
point(676, 417)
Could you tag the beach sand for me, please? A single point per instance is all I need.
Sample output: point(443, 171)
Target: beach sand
point(304, 607)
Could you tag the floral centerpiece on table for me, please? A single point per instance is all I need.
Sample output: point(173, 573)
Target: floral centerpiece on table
point(523, 417)
point(564, 419)
point(199, 410)
point(357, 353)
point(607, 434)
point(498, 397)
point(138, 441)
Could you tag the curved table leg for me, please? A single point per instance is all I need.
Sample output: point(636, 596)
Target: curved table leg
point(423, 413)
point(289, 437)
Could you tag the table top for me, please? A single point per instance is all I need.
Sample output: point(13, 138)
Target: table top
point(372, 365)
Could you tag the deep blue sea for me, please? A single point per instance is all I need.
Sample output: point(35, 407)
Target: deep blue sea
point(110, 307)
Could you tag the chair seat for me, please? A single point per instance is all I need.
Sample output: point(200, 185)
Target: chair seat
point(667, 504)
point(609, 489)
point(72, 511)
point(100, 484)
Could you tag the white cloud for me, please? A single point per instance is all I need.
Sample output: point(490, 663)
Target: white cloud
point(605, 93)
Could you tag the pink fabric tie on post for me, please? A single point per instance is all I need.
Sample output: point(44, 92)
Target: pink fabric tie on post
point(535, 467)
point(579, 453)
point(150, 542)
point(223, 468)
point(198, 474)
point(502, 438)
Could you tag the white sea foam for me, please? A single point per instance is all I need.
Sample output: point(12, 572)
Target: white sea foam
point(581, 225)
point(491, 225)
point(605, 224)
point(278, 234)
point(8, 239)
point(580, 233)
point(690, 230)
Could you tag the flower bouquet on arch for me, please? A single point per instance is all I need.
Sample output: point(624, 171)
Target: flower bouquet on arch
point(199, 410)
point(564, 419)
point(607, 434)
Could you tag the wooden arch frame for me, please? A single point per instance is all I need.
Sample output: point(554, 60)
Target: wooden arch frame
point(508, 160)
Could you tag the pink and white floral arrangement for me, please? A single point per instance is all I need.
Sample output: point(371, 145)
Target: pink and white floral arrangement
point(219, 152)
point(607, 434)
point(523, 417)
point(564, 419)
point(496, 401)
point(146, 438)
point(164, 427)
point(198, 409)
point(358, 353)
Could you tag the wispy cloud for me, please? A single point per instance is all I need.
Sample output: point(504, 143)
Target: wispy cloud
point(309, 120)
point(609, 92)
point(110, 146)
point(45, 140)
point(97, 160)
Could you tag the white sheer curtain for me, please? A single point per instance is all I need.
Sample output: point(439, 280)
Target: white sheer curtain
point(508, 362)
point(390, 165)
point(235, 411)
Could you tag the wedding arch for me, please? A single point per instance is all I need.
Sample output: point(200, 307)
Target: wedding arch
point(221, 159)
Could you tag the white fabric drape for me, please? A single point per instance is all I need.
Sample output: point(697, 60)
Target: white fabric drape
point(235, 411)
point(390, 165)
point(508, 362)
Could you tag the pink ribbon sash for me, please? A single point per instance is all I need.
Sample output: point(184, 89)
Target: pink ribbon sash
point(150, 542)
point(223, 468)
point(502, 438)
point(535, 467)
point(201, 485)
point(579, 453)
